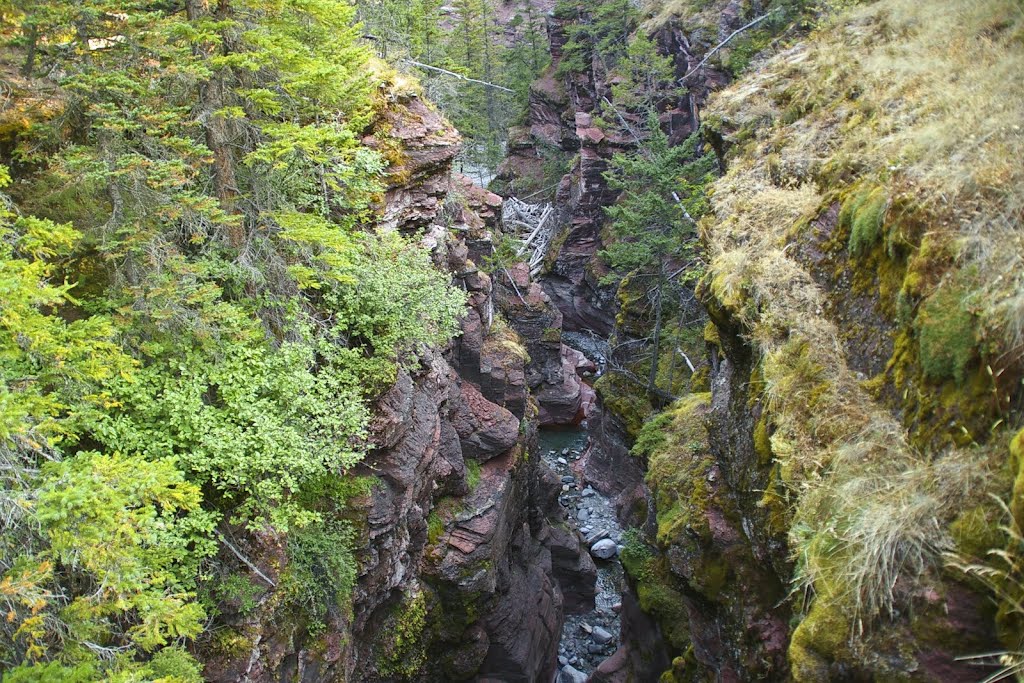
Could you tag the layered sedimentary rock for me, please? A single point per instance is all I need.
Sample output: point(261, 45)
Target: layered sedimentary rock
point(459, 567)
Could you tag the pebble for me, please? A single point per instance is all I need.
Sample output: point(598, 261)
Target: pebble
point(562, 660)
point(600, 635)
point(585, 530)
point(565, 487)
point(587, 492)
point(565, 451)
point(597, 536)
point(568, 479)
point(586, 627)
point(617, 607)
point(595, 649)
point(583, 515)
point(563, 461)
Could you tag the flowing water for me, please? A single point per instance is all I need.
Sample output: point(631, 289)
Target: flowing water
point(589, 637)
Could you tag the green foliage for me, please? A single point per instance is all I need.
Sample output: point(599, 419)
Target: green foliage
point(472, 474)
point(402, 652)
point(645, 77)
point(177, 665)
point(129, 535)
point(863, 214)
point(598, 35)
point(744, 48)
point(648, 222)
point(321, 571)
point(465, 37)
point(503, 255)
point(195, 319)
point(652, 435)
point(947, 328)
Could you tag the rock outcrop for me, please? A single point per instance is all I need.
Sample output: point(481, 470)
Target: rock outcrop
point(460, 565)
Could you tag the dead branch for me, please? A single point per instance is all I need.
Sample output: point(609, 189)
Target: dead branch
point(457, 75)
point(722, 44)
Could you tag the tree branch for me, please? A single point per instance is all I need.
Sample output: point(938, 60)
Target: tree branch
point(244, 559)
point(722, 44)
point(459, 76)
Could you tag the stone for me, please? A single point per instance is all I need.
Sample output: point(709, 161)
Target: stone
point(563, 461)
point(563, 660)
point(601, 636)
point(585, 627)
point(568, 479)
point(597, 536)
point(582, 515)
point(617, 607)
point(595, 649)
point(485, 429)
point(565, 487)
point(605, 549)
point(569, 674)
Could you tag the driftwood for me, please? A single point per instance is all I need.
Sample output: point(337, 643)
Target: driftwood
point(532, 224)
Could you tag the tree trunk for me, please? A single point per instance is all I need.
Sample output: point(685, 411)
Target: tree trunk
point(212, 98)
point(652, 378)
point(30, 57)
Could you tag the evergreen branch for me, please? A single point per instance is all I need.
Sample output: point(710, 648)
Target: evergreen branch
point(457, 75)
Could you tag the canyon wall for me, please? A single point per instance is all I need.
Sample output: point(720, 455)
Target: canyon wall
point(817, 504)
point(463, 552)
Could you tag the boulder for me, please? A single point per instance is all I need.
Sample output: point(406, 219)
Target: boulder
point(605, 549)
point(570, 674)
point(485, 429)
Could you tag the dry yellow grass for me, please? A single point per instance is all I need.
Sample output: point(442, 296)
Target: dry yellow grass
point(924, 98)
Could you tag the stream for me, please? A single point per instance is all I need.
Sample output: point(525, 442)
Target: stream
point(588, 637)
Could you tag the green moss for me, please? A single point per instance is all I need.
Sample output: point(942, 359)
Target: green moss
point(762, 440)
point(677, 469)
point(472, 474)
point(700, 382)
point(401, 648)
point(657, 589)
point(1017, 468)
point(711, 335)
point(627, 400)
point(863, 213)
point(947, 337)
point(435, 527)
point(743, 50)
point(652, 435)
point(820, 639)
point(976, 531)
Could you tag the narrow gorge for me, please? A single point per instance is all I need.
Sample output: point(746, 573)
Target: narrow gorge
point(719, 378)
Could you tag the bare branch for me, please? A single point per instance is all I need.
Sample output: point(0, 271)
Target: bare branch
point(244, 559)
point(722, 44)
point(459, 76)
